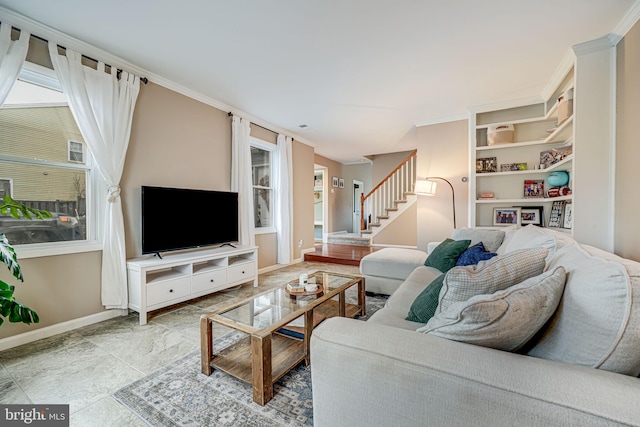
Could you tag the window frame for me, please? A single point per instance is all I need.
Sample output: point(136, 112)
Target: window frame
point(271, 148)
point(70, 142)
point(45, 77)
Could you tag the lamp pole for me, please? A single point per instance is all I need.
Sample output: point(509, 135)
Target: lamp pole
point(453, 196)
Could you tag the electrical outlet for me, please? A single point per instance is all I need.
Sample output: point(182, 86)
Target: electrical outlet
point(300, 243)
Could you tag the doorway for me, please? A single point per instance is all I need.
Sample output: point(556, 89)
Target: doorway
point(358, 191)
point(319, 204)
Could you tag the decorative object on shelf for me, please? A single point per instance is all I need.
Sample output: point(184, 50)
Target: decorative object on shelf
point(500, 134)
point(486, 165)
point(533, 189)
point(557, 212)
point(506, 216)
point(427, 187)
point(341, 183)
point(334, 181)
point(509, 167)
point(532, 215)
point(558, 178)
point(565, 106)
point(487, 195)
point(567, 217)
point(317, 183)
point(558, 191)
point(553, 156)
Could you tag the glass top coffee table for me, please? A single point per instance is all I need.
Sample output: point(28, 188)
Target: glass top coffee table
point(279, 328)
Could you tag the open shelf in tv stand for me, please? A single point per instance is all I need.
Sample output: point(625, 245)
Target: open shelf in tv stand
point(155, 282)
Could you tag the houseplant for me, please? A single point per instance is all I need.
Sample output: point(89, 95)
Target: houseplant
point(9, 307)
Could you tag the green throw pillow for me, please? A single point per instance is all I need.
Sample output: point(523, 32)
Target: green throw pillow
point(445, 255)
point(425, 304)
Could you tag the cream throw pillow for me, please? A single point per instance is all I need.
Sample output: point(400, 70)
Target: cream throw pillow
point(496, 274)
point(505, 320)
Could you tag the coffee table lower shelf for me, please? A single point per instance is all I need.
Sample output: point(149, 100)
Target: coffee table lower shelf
point(236, 359)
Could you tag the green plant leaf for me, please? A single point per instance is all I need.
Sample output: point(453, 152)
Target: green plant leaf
point(9, 257)
point(14, 316)
point(6, 290)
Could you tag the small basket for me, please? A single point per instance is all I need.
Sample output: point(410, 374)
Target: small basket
point(565, 106)
point(500, 134)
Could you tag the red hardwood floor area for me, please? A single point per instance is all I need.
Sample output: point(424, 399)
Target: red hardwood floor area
point(339, 254)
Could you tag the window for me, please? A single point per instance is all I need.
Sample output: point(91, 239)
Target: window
point(262, 180)
point(76, 151)
point(43, 163)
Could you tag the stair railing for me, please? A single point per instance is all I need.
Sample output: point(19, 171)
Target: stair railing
point(382, 198)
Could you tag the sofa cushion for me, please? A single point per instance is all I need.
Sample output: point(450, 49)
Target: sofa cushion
point(396, 263)
point(445, 255)
point(491, 239)
point(505, 320)
point(400, 301)
point(496, 274)
point(474, 254)
point(597, 323)
point(425, 304)
point(529, 236)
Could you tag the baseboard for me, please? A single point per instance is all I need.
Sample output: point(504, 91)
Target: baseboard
point(383, 245)
point(59, 328)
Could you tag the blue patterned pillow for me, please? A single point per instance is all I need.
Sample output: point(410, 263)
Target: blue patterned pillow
point(474, 254)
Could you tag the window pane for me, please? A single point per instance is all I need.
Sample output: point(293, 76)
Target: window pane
point(262, 207)
point(39, 139)
point(60, 191)
point(261, 162)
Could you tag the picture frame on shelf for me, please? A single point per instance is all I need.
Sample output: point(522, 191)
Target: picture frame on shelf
point(557, 214)
point(334, 181)
point(567, 217)
point(533, 189)
point(506, 216)
point(511, 167)
point(486, 165)
point(341, 183)
point(555, 155)
point(532, 215)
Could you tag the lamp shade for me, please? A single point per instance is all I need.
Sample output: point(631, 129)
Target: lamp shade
point(425, 187)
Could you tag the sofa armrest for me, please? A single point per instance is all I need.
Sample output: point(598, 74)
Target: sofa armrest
point(366, 374)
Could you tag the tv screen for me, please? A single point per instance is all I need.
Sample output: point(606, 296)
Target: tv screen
point(180, 218)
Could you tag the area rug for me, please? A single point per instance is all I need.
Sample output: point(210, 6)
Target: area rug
point(180, 395)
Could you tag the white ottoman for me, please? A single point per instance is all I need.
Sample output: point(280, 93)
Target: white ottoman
point(386, 269)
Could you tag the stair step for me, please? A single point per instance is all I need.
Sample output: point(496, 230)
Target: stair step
point(366, 232)
point(383, 217)
point(391, 209)
point(374, 224)
point(401, 201)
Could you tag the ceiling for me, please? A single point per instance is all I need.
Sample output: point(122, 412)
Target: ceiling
point(359, 73)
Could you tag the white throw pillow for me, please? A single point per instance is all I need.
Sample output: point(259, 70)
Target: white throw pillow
point(487, 277)
point(529, 236)
point(597, 323)
point(505, 320)
point(491, 239)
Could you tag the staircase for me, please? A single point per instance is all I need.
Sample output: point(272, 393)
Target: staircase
point(389, 199)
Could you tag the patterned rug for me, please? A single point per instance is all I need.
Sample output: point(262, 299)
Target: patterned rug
point(180, 395)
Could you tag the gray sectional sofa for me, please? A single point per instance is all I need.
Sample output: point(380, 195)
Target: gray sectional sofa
point(559, 348)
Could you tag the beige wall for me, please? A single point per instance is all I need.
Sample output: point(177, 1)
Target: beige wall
point(59, 288)
point(627, 227)
point(303, 169)
point(175, 142)
point(442, 151)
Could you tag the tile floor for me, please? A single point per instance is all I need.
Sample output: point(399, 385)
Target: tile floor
point(85, 366)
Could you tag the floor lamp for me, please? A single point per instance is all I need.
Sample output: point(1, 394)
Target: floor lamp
point(427, 187)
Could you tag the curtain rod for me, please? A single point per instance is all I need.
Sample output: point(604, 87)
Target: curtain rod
point(230, 114)
point(142, 79)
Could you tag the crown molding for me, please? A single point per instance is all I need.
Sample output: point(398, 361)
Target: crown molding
point(558, 75)
point(628, 21)
point(502, 105)
point(592, 46)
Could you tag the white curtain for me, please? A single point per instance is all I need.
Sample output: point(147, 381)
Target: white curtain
point(103, 106)
point(12, 55)
point(284, 199)
point(241, 178)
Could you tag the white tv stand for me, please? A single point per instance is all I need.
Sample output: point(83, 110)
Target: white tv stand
point(155, 283)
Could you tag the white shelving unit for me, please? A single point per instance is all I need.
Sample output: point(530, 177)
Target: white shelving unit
point(536, 130)
point(155, 283)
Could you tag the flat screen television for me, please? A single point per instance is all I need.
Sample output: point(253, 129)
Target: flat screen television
point(181, 218)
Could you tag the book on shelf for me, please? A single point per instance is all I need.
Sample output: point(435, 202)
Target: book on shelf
point(295, 328)
point(295, 287)
point(487, 195)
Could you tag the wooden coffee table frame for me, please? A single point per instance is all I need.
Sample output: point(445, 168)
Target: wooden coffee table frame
point(265, 356)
